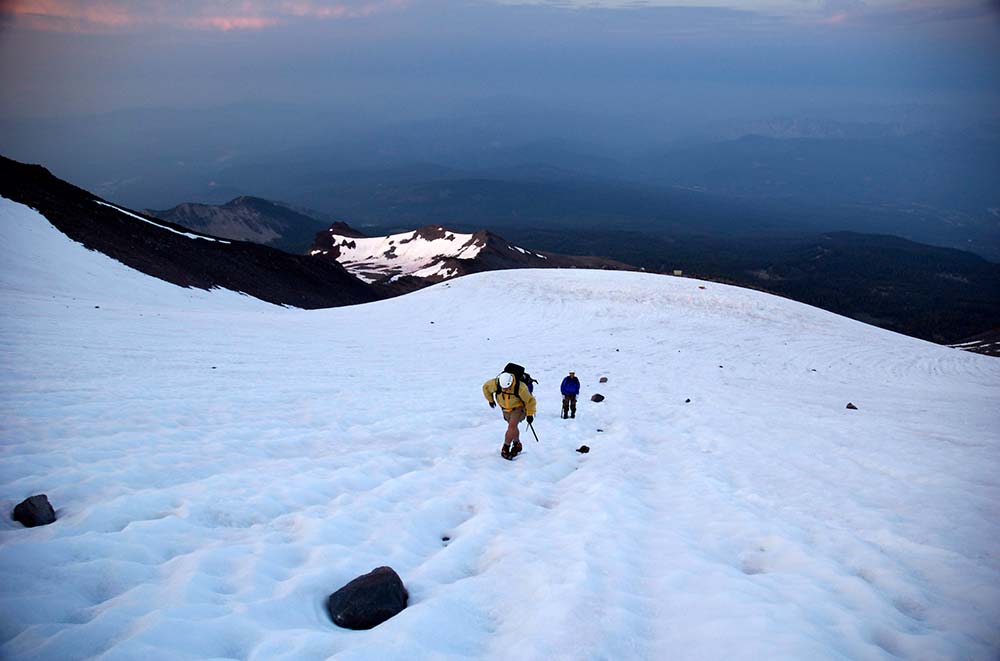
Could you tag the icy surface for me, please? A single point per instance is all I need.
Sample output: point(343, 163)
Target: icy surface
point(219, 466)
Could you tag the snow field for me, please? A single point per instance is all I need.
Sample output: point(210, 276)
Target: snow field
point(207, 513)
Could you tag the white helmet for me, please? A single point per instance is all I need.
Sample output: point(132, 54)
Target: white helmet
point(506, 380)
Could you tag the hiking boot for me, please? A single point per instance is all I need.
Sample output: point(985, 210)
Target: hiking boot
point(505, 452)
point(516, 450)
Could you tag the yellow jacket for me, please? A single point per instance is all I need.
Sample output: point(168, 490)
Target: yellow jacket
point(506, 398)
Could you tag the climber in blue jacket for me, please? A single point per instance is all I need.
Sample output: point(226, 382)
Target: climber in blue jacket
point(569, 388)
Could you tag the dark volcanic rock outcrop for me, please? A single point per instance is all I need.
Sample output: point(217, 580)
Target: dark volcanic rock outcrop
point(172, 253)
point(987, 343)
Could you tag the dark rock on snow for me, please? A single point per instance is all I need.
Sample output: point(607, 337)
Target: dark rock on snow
point(368, 600)
point(597, 397)
point(604, 379)
point(35, 511)
point(687, 401)
point(583, 449)
point(852, 406)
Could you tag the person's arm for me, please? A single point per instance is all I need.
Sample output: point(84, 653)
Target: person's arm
point(488, 389)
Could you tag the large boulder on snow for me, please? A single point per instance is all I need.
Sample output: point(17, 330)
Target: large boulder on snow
point(368, 600)
point(35, 511)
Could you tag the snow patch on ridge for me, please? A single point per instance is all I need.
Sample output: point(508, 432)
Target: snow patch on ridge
point(162, 227)
point(408, 254)
point(397, 255)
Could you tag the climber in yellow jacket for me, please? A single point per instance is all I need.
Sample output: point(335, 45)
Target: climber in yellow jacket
point(517, 404)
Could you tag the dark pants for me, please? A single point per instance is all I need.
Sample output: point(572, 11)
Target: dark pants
point(569, 406)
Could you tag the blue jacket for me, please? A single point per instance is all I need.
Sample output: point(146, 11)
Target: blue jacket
point(570, 386)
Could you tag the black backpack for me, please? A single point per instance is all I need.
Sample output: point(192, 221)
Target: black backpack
point(520, 376)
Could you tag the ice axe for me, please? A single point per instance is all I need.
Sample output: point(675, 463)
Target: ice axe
point(533, 432)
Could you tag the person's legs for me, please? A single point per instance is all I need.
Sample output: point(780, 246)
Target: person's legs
point(512, 431)
point(572, 406)
point(512, 435)
point(565, 411)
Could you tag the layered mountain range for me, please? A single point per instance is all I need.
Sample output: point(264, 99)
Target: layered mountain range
point(344, 267)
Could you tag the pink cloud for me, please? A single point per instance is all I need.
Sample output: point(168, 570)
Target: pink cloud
point(229, 23)
point(835, 19)
point(68, 15)
point(305, 8)
point(124, 15)
point(903, 15)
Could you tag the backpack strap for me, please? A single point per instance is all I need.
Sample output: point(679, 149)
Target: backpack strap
point(515, 389)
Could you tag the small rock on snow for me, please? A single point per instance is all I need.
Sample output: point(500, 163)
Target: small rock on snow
point(35, 511)
point(368, 600)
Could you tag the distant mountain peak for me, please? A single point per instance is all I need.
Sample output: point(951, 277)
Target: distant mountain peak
point(244, 200)
point(247, 218)
point(433, 253)
point(343, 229)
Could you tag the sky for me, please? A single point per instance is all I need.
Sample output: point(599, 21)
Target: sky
point(153, 102)
point(64, 58)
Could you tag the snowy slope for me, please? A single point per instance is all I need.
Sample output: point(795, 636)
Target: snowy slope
point(176, 255)
point(219, 466)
